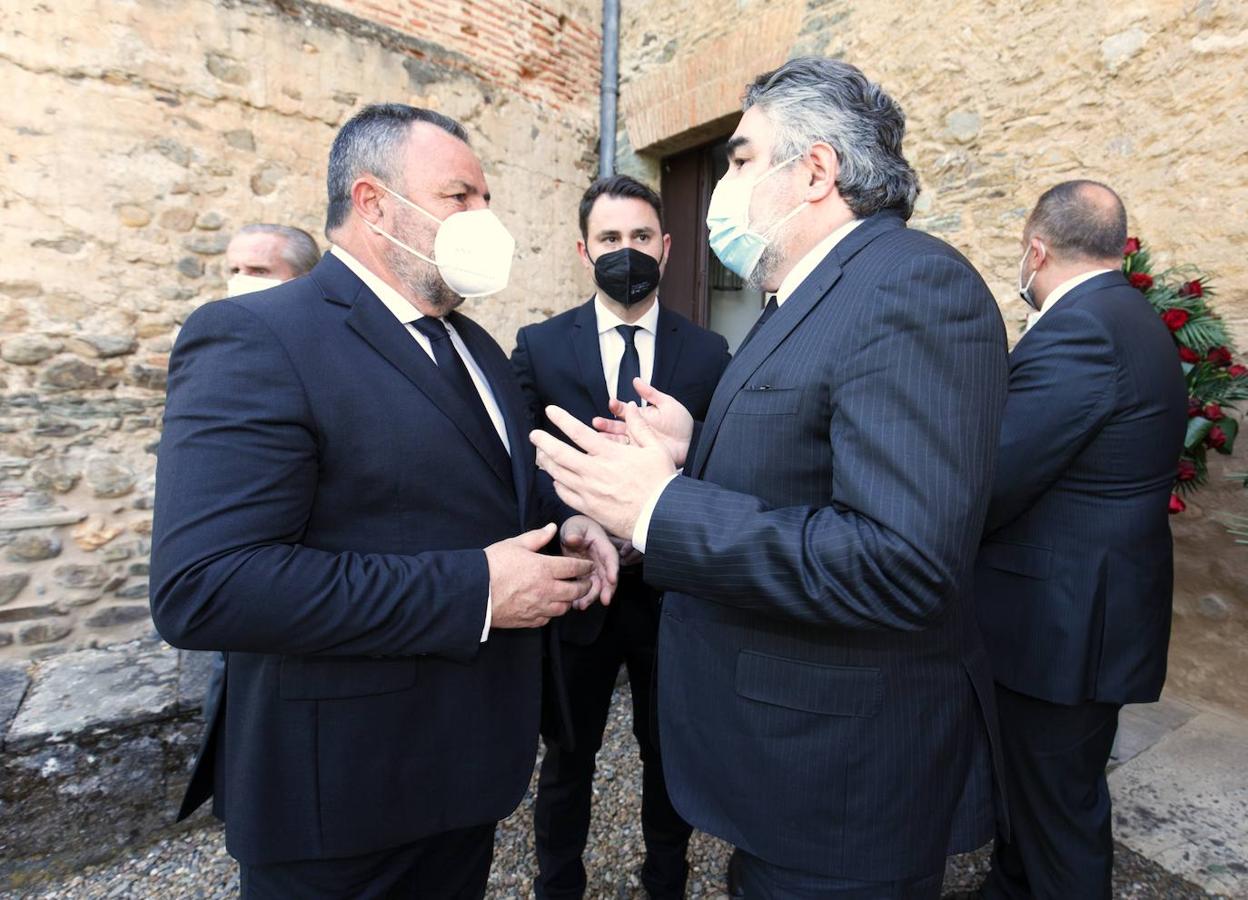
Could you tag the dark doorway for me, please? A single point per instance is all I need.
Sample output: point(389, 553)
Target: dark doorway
point(695, 283)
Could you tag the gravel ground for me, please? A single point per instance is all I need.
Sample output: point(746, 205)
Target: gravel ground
point(195, 864)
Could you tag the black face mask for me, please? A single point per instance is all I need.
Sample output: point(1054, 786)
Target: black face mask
point(628, 276)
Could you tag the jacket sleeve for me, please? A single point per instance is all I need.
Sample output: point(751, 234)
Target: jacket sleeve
point(916, 404)
point(1062, 390)
point(235, 481)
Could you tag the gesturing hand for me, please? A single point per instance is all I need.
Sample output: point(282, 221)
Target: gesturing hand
point(584, 538)
point(527, 588)
point(610, 481)
point(665, 415)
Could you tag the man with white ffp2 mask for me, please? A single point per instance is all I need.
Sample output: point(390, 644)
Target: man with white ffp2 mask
point(263, 255)
point(347, 505)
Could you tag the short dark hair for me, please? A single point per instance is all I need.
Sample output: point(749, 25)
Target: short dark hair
point(812, 99)
point(617, 186)
point(370, 141)
point(300, 249)
point(1080, 218)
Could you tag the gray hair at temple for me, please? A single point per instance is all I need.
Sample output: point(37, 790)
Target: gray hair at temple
point(370, 142)
point(811, 100)
point(299, 248)
point(1080, 219)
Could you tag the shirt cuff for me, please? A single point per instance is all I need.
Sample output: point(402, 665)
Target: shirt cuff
point(489, 615)
point(642, 529)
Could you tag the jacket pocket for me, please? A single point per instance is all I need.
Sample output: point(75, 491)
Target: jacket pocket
point(766, 401)
point(314, 678)
point(1027, 560)
point(809, 687)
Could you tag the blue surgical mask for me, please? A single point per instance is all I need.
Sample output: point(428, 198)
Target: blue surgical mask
point(737, 245)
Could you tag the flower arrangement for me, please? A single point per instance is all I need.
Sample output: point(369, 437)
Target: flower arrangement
point(1216, 381)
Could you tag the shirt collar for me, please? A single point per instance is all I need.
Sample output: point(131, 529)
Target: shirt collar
point(1061, 291)
point(811, 260)
point(607, 320)
point(403, 310)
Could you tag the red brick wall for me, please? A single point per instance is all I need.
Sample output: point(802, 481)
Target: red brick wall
point(546, 52)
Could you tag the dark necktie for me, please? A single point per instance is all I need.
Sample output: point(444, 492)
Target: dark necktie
point(630, 365)
point(453, 369)
point(768, 311)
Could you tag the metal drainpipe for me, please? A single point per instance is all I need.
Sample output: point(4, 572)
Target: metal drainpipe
point(610, 90)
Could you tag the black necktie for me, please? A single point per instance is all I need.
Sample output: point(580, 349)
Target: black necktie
point(452, 367)
point(630, 365)
point(768, 311)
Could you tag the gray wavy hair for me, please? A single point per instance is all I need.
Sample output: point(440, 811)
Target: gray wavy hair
point(813, 99)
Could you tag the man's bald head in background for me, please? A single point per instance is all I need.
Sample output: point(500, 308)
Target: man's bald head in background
point(1076, 227)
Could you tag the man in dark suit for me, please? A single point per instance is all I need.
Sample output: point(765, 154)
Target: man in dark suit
point(619, 334)
point(1074, 577)
point(825, 702)
point(342, 476)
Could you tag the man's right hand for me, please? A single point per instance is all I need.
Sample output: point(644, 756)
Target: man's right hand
point(662, 412)
point(528, 588)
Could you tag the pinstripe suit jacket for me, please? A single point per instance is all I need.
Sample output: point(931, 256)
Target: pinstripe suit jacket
point(1074, 580)
point(825, 700)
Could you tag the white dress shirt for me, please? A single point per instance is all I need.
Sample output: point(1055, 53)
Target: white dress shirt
point(799, 273)
point(611, 343)
point(1059, 292)
point(407, 314)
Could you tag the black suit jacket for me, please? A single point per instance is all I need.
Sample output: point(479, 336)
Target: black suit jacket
point(1073, 582)
point(559, 362)
point(322, 500)
point(825, 700)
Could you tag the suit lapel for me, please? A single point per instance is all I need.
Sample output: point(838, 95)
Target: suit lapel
point(589, 357)
point(372, 321)
point(808, 295)
point(667, 341)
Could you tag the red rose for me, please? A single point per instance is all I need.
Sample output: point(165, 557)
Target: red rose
point(1219, 356)
point(1176, 504)
point(1188, 355)
point(1212, 412)
point(1237, 371)
point(1193, 407)
point(1174, 318)
point(1216, 438)
point(1192, 289)
point(1187, 470)
point(1141, 280)
point(1131, 246)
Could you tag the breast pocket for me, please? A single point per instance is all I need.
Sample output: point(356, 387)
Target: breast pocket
point(765, 401)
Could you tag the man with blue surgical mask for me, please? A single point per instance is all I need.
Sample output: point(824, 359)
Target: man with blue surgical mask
point(346, 505)
point(825, 702)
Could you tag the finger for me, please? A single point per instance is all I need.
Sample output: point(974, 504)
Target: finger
point(638, 428)
point(581, 434)
point(616, 407)
point(570, 496)
point(565, 593)
point(583, 601)
point(649, 393)
point(556, 451)
point(537, 538)
point(566, 568)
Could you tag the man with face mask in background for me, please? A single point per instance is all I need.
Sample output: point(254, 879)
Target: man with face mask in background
point(582, 360)
point(262, 256)
point(825, 701)
point(346, 506)
point(1073, 582)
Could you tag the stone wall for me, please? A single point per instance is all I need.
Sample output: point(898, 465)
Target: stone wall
point(1004, 100)
point(138, 136)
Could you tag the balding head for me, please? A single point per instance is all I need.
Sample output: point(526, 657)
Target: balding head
point(1080, 220)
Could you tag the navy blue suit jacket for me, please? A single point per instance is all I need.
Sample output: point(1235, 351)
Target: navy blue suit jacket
point(1073, 582)
point(322, 500)
point(824, 697)
point(559, 362)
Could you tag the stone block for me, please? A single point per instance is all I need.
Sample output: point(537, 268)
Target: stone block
point(32, 546)
point(112, 616)
point(13, 683)
point(48, 632)
point(108, 476)
point(29, 349)
point(11, 584)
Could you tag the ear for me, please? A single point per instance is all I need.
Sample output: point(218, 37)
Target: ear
point(823, 165)
point(667, 252)
point(1038, 252)
point(365, 199)
point(583, 253)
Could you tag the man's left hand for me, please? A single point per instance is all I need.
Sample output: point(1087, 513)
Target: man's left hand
point(584, 538)
point(609, 481)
